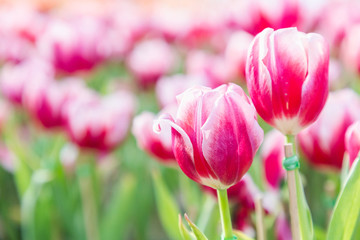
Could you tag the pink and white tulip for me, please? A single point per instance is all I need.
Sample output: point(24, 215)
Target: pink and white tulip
point(237, 50)
point(72, 45)
point(167, 88)
point(101, 123)
point(150, 60)
point(47, 102)
point(323, 143)
point(157, 145)
point(14, 78)
point(272, 154)
point(215, 134)
point(352, 141)
point(287, 77)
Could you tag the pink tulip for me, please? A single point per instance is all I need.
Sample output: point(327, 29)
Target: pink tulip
point(157, 145)
point(272, 154)
point(150, 60)
point(13, 78)
point(167, 88)
point(72, 45)
point(101, 123)
point(215, 68)
point(335, 19)
point(236, 52)
point(287, 77)
point(282, 228)
point(323, 142)
point(255, 15)
point(215, 134)
point(47, 102)
point(352, 141)
point(13, 49)
point(350, 51)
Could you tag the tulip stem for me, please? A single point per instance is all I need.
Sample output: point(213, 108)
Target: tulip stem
point(225, 214)
point(290, 150)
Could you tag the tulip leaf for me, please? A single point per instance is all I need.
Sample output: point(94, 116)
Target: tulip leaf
point(306, 224)
point(185, 234)
point(346, 213)
point(198, 234)
point(167, 208)
point(241, 236)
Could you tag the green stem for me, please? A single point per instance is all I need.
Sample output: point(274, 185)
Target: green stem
point(206, 212)
point(225, 213)
point(291, 139)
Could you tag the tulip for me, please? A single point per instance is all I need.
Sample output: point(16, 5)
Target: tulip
point(13, 78)
point(167, 88)
point(72, 45)
point(215, 68)
point(101, 124)
point(352, 141)
point(350, 51)
point(47, 102)
point(215, 134)
point(272, 155)
point(323, 142)
point(13, 49)
point(150, 60)
point(287, 77)
point(236, 52)
point(157, 145)
point(282, 228)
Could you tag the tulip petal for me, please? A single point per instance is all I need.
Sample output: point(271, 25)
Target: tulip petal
point(315, 89)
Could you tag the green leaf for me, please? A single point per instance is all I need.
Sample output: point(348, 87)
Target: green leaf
point(241, 236)
point(167, 208)
point(198, 234)
point(185, 234)
point(347, 209)
point(116, 219)
point(306, 224)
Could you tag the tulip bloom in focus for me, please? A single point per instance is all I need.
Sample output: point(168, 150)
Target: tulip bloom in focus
point(352, 141)
point(157, 145)
point(323, 142)
point(215, 134)
point(287, 77)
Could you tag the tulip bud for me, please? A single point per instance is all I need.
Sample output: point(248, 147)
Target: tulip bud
point(157, 145)
point(272, 154)
point(215, 134)
point(323, 142)
point(101, 123)
point(352, 141)
point(287, 77)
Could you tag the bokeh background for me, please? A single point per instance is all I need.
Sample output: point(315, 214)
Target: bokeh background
point(75, 74)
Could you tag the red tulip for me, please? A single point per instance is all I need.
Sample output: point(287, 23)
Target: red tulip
point(215, 134)
point(101, 123)
point(323, 142)
point(352, 141)
point(287, 77)
point(157, 145)
point(272, 154)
